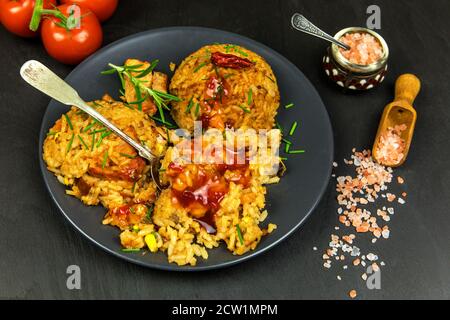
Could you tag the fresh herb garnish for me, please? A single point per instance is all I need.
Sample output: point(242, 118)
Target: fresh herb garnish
point(189, 106)
point(50, 133)
point(290, 105)
point(69, 146)
point(244, 109)
point(250, 97)
point(228, 75)
point(235, 48)
point(161, 99)
point(93, 142)
point(287, 147)
point(68, 121)
point(82, 141)
point(286, 141)
point(164, 122)
point(148, 215)
point(126, 155)
point(270, 79)
point(105, 159)
point(201, 65)
point(134, 187)
point(295, 151)
point(279, 127)
point(104, 135)
point(239, 232)
point(98, 131)
point(197, 109)
point(89, 126)
point(294, 126)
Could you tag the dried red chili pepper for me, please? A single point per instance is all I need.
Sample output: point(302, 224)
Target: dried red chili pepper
point(230, 61)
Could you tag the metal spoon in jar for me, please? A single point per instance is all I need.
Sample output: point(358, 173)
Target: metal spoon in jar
point(300, 23)
point(43, 79)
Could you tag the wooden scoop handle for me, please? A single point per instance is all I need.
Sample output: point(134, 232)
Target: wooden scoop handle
point(407, 88)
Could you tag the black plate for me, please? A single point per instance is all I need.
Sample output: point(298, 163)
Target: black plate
point(289, 203)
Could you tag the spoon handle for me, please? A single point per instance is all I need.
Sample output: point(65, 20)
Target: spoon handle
point(43, 79)
point(407, 88)
point(299, 22)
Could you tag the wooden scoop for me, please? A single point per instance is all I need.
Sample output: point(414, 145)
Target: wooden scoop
point(399, 112)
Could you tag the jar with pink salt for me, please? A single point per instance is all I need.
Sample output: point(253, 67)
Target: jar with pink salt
point(362, 67)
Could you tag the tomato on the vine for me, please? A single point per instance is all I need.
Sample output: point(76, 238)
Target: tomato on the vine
point(15, 15)
point(103, 9)
point(70, 42)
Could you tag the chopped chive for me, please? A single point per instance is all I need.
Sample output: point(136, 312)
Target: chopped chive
point(197, 109)
point(294, 126)
point(270, 79)
point(244, 108)
point(131, 249)
point(286, 141)
point(189, 106)
point(122, 93)
point(82, 141)
point(239, 232)
point(68, 121)
point(132, 210)
point(104, 135)
point(290, 105)
point(132, 189)
point(105, 159)
point(283, 158)
point(216, 70)
point(148, 215)
point(296, 151)
point(250, 97)
point(98, 131)
point(287, 147)
point(50, 133)
point(93, 142)
point(69, 146)
point(168, 124)
point(162, 170)
point(89, 126)
point(279, 126)
point(201, 65)
point(126, 155)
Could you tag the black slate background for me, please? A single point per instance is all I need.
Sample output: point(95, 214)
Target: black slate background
point(37, 245)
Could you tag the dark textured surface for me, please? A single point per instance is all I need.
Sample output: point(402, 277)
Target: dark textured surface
point(37, 244)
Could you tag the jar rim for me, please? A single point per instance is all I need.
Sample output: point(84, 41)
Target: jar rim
point(377, 65)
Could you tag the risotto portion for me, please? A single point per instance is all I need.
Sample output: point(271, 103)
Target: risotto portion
point(96, 165)
point(224, 86)
point(206, 204)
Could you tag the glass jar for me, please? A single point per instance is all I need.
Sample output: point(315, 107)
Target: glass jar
point(351, 75)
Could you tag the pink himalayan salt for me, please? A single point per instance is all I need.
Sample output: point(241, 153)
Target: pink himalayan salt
point(364, 48)
point(390, 146)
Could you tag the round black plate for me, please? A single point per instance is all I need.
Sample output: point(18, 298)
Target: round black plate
point(289, 203)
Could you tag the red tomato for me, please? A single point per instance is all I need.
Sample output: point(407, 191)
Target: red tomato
point(15, 15)
point(103, 9)
point(71, 46)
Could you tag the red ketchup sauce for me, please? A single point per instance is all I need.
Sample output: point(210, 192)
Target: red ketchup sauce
point(199, 188)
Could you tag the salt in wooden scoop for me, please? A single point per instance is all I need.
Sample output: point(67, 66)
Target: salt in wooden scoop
point(397, 113)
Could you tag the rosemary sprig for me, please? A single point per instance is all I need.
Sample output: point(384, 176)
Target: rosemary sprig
point(161, 99)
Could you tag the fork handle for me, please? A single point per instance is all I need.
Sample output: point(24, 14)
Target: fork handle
point(46, 81)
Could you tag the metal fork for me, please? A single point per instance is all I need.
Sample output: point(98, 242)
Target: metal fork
point(43, 79)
